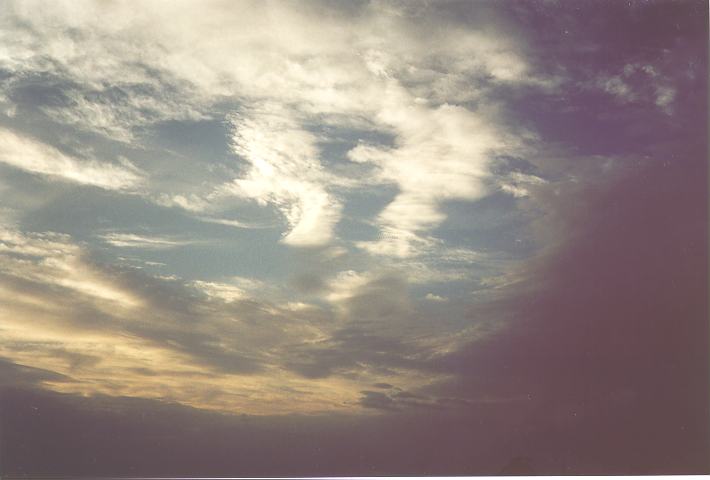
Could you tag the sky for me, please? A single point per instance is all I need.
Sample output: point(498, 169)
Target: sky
point(354, 238)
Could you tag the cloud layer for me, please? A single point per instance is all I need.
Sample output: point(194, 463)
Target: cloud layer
point(471, 234)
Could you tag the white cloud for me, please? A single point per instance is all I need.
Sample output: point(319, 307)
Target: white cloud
point(381, 68)
point(517, 183)
point(441, 154)
point(665, 95)
point(436, 298)
point(52, 259)
point(345, 284)
point(223, 291)
point(285, 172)
point(35, 157)
point(286, 79)
point(231, 289)
point(236, 223)
point(117, 116)
point(131, 240)
point(628, 86)
point(618, 88)
point(190, 202)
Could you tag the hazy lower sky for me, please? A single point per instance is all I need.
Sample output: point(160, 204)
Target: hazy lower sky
point(393, 237)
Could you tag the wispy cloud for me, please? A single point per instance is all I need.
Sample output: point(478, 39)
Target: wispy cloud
point(518, 184)
point(383, 70)
point(236, 223)
point(52, 261)
point(441, 154)
point(33, 156)
point(235, 334)
point(286, 172)
point(118, 113)
point(131, 240)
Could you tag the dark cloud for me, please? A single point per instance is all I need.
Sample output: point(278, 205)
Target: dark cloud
point(565, 38)
point(382, 385)
point(368, 336)
point(353, 347)
point(54, 434)
point(603, 370)
point(378, 400)
point(609, 341)
point(14, 375)
point(383, 299)
point(173, 323)
point(308, 283)
point(400, 400)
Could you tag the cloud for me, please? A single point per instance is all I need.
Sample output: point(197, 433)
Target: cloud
point(440, 154)
point(81, 309)
point(665, 95)
point(257, 445)
point(378, 400)
point(237, 289)
point(641, 83)
point(435, 298)
point(617, 87)
point(286, 172)
point(35, 157)
point(51, 260)
point(13, 375)
point(362, 353)
point(378, 333)
point(518, 184)
point(191, 202)
point(118, 112)
point(474, 288)
point(604, 321)
point(398, 400)
point(227, 345)
point(235, 223)
point(380, 68)
point(131, 240)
